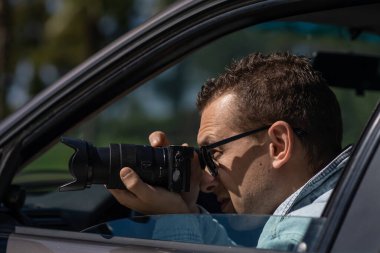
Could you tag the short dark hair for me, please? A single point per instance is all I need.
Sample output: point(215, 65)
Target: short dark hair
point(281, 86)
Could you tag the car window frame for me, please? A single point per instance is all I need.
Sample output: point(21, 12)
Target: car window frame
point(76, 241)
point(357, 181)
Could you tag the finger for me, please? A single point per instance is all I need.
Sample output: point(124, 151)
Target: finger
point(135, 185)
point(195, 161)
point(191, 197)
point(158, 139)
point(124, 197)
point(131, 201)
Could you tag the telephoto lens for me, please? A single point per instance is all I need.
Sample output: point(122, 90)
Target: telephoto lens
point(167, 167)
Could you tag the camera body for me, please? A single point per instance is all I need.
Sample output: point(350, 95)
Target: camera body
point(167, 167)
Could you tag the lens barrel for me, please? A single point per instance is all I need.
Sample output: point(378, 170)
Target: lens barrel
point(167, 167)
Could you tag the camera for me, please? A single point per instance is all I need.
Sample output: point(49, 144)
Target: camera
point(167, 167)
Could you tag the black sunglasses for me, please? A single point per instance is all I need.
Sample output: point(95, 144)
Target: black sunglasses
point(206, 158)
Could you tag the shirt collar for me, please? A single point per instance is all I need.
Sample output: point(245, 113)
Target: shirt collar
point(320, 183)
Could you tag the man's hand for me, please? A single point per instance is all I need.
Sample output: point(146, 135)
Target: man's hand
point(148, 199)
point(145, 198)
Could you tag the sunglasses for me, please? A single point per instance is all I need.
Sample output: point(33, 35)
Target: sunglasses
point(206, 158)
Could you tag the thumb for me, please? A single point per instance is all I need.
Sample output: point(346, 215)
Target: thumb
point(133, 183)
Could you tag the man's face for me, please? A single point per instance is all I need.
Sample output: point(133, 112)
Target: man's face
point(244, 182)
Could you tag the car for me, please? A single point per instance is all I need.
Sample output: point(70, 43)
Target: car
point(342, 38)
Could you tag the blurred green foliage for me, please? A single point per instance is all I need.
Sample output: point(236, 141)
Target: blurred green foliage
point(47, 38)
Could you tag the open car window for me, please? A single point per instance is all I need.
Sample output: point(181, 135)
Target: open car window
point(163, 104)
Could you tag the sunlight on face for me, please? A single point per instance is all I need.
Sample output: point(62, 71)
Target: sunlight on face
point(244, 181)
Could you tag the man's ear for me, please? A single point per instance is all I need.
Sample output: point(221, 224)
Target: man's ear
point(281, 143)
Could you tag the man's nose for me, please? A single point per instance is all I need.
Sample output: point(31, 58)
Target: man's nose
point(208, 182)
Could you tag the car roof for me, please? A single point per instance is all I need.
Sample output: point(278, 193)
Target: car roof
point(363, 18)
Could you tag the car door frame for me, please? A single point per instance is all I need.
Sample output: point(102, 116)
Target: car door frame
point(355, 198)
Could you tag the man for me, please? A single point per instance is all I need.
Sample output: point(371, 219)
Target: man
point(270, 134)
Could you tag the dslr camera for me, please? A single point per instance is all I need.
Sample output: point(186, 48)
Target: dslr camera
point(167, 167)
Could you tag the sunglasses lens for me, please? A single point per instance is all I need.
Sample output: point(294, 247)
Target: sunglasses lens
point(210, 163)
point(206, 160)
